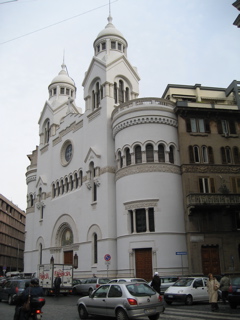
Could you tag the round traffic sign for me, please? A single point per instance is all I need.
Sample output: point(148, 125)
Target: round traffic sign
point(107, 257)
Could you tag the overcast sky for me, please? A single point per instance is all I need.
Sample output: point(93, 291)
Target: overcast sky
point(169, 41)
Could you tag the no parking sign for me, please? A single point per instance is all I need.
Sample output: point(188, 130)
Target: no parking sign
point(107, 257)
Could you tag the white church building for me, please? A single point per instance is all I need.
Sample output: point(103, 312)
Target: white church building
point(104, 186)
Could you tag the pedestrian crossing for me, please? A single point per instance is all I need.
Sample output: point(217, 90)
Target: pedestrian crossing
point(187, 314)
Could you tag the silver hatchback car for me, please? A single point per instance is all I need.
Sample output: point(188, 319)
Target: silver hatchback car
point(123, 301)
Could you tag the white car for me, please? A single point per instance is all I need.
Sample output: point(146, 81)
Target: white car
point(187, 290)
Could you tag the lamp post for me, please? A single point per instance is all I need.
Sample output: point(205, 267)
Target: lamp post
point(75, 261)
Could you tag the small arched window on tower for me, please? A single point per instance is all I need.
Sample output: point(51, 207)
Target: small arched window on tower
point(171, 154)
point(94, 186)
point(46, 131)
point(161, 153)
point(115, 92)
point(120, 159)
point(128, 157)
point(149, 153)
point(97, 95)
point(76, 180)
point(138, 154)
point(121, 91)
point(127, 94)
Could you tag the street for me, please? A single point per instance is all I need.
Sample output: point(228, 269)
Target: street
point(64, 308)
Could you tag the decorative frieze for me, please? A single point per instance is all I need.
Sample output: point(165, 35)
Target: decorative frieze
point(210, 169)
point(147, 167)
point(213, 199)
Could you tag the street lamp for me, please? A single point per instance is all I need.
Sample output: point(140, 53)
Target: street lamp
point(75, 261)
point(52, 260)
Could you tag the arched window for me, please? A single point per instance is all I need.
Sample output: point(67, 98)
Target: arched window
point(226, 155)
point(40, 194)
point(93, 100)
point(161, 153)
point(53, 190)
point(121, 92)
point(205, 154)
point(120, 159)
point(95, 248)
point(97, 95)
point(115, 92)
point(127, 94)
point(171, 154)
point(149, 153)
point(66, 184)
point(46, 131)
point(31, 200)
point(128, 157)
point(40, 253)
point(58, 188)
point(81, 177)
point(76, 180)
point(138, 154)
point(194, 154)
point(62, 186)
point(71, 182)
point(210, 155)
point(93, 184)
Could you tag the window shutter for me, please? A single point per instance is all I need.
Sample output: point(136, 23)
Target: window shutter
point(224, 160)
point(207, 126)
point(201, 185)
point(219, 126)
point(191, 158)
point(236, 155)
point(232, 127)
point(188, 125)
point(212, 187)
point(210, 155)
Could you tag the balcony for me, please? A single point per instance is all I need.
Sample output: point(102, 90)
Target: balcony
point(201, 200)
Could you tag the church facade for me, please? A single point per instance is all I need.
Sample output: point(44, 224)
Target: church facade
point(134, 185)
point(104, 186)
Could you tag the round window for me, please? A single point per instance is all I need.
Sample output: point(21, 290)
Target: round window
point(66, 153)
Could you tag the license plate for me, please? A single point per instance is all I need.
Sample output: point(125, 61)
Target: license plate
point(170, 296)
point(39, 316)
point(148, 311)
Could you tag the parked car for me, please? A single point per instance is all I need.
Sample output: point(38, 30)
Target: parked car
point(234, 292)
point(166, 282)
point(121, 280)
point(12, 288)
point(188, 290)
point(90, 285)
point(123, 301)
point(76, 289)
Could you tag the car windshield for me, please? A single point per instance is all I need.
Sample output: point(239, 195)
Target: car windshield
point(103, 281)
point(235, 281)
point(184, 282)
point(140, 289)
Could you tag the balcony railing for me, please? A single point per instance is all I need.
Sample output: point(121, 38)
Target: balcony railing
point(215, 199)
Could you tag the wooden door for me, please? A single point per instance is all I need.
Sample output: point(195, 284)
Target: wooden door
point(143, 261)
point(68, 257)
point(210, 260)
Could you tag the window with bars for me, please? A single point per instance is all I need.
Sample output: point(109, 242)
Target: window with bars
point(142, 220)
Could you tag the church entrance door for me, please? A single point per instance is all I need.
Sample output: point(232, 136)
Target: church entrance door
point(68, 257)
point(143, 262)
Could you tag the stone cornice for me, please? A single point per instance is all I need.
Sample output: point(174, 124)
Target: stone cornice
point(147, 167)
point(148, 119)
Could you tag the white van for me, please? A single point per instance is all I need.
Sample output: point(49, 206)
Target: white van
point(187, 290)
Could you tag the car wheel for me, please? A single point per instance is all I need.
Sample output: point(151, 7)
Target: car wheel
point(121, 315)
point(168, 302)
point(189, 300)
point(82, 312)
point(233, 305)
point(10, 299)
point(90, 291)
point(155, 317)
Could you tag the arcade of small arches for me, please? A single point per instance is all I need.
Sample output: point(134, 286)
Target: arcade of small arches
point(121, 93)
point(148, 153)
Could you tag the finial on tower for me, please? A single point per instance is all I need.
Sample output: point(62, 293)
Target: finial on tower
point(109, 17)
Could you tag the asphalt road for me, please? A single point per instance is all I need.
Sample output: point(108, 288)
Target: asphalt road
point(65, 308)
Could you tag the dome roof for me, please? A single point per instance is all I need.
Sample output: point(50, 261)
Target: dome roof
point(63, 77)
point(110, 30)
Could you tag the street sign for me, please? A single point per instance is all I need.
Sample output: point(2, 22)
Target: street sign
point(183, 253)
point(107, 257)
